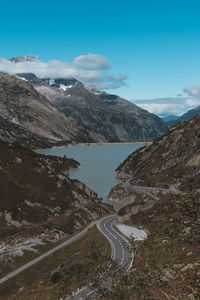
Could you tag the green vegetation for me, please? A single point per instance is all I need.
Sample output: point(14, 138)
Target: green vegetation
point(62, 272)
point(12, 264)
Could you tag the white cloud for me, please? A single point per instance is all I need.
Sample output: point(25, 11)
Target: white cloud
point(194, 91)
point(193, 102)
point(173, 106)
point(92, 61)
point(194, 94)
point(167, 106)
point(90, 69)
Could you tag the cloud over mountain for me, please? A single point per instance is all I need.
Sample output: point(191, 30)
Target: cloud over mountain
point(91, 69)
point(92, 61)
point(193, 91)
point(164, 106)
point(174, 105)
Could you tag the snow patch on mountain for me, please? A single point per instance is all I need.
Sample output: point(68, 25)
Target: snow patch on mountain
point(64, 87)
point(92, 89)
point(21, 78)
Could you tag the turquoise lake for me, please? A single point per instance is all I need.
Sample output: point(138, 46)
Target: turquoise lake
point(98, 164)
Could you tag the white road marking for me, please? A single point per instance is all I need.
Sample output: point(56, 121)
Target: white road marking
point(109, 231)
point(105, 222)
point(91, 292)
point(122, 255)
point(112, 244)
point(116, 239)
point(132, 254)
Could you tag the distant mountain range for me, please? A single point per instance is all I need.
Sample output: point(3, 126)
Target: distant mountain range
point(171, 106)
point(169, 118)
point(185, 117)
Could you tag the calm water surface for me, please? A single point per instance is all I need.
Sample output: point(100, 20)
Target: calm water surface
point(98, 164)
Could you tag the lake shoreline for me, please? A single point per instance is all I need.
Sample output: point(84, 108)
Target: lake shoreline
point(96, 144)
point(98, 164)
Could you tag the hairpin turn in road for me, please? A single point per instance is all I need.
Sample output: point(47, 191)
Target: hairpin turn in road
point(121, 252)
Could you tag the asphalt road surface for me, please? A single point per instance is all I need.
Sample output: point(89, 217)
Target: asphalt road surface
point(121, 253)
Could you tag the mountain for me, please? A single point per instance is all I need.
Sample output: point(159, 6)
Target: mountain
point(115, 118)
point(37, 196)
point(26, 113)
point(159, 189)
point(12, 132)
point(169, 118)
point(185, 117)
point(172, 161)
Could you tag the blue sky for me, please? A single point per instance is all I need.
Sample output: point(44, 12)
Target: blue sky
point(155, 43)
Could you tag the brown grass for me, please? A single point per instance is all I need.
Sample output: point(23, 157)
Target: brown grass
point(77, 264)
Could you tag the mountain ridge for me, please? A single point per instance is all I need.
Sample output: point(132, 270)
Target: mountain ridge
point(185, 117)
point(115, 118)
point(26, 109)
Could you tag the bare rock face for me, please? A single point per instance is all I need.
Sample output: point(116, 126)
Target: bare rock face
point(25, 111)
point(117, 119)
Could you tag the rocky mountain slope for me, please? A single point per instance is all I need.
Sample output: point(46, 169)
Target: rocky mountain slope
point(185, 117)
point(36, 193)
point(160, 189)
point(169, 118)
point(12, 132)
point(109, 115)
point(26, 112)
point(39, 204)
point(172, 159)
point(172, 162)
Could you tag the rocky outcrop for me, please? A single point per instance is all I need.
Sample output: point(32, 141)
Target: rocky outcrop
point(27, 112)
point(117, 119)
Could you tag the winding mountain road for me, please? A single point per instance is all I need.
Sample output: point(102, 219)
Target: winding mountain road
point(121, 252)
